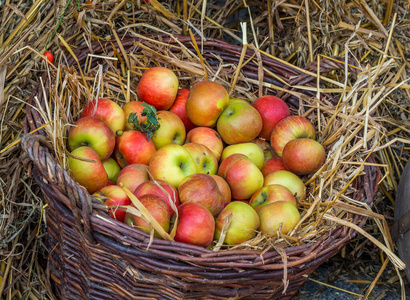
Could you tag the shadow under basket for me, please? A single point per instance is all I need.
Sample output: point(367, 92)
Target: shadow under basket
point(90, 258)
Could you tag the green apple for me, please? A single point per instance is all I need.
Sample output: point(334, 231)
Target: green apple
point(204, 159)
point(112, 169)
point(207, 137)
point(171, 130)
point(289, 180)
point(251, 150)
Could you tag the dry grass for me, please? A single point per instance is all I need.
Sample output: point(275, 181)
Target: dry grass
point(377, 103)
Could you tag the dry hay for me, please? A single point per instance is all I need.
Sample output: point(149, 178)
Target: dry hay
point(282, 29)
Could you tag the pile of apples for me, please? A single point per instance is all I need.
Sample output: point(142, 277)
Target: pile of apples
point(220, 165)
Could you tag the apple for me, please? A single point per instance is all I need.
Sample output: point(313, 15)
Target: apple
point(92, 132)
point(223, 187)
point(115, 196)
point(243, 225)
point(271, 193)
point(158, 87)
point(107, 110)
point(172, 163)
point(109, 183)
point(251, 150)
point(178, 108)
point(272, 110)
point(112, 169)
point(303, 156)
point(290, 181)
point(132, 176)
point(207, 137)
point(90, 175)
point(157, 208)
point(265, 146)
point(242, 175)
point(202, 189)
point(196, 225)
point(238, 100)
point(206, 101)
point(272, 165)
point(133, 107)
point(171, 130)
point(274, 214)
point(239, 123)
point(290, 128)
point(133, 147)
point(204, 159)
point(161, 188)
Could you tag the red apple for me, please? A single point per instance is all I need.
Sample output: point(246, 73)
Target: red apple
point(132, 176)
point(92, 132)
point(196, 225)
point(223, 187)
point(158, 209)
point(161, 188)
point(242, 175)
point(276, 214)
point(204, 159)
point(134, 148)
point(206, 101)
point(239, 123)
point(109, 183)
point(243, 225)
point(91, 175)
point(202, 189)
point(112, 169)
point(272, 165)
point(290, 128)
point(171, 130)
point(272, 110)
point(158, 87)
point(107, 110)
point(207, 137)
point(178, 108)
point(133, 107)
point(115, 196)
point(265, 146)
point(271, 193)
point(251, 150)
point(290, 181)
point(303, 156)
point(172, 163)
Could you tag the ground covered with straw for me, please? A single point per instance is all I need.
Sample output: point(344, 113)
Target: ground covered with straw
point(374, 34)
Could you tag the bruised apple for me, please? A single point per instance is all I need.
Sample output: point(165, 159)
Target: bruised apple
point(204, 159)
point(207, 137)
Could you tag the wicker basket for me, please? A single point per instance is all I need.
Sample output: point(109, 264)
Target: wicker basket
point(90, 258)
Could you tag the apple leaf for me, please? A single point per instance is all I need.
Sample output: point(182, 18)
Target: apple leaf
point(150, 125)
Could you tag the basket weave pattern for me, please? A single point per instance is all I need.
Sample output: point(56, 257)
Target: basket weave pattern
point(91, 258)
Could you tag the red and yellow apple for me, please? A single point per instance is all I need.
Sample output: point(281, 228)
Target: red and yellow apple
point(204, 159)
point(272, 165)
point(239, 123)
point(244, 223)
point(157, 208)
point(171, 130)
point(272, 110)
point(202, 189)
point(303, 156)
point(161, 188)
point(172, 163)
point(242, 175)
point(133, 107)
point(271, 193)
point(206, 101)
point(290, 181)
point(178, 108)
point(223, 187)
point(133, 147)
point(112, 169)
point(196, 225)
point(90, 175)
point(207, 137)
point(281, 214)
point(113, 195)
point(290, 128)
point(132, 176)
point(92, 132)
point(107, 110)
point(158, 87)
point(265, 146)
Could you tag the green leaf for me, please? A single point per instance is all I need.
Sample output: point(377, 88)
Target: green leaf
point(151, 125)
